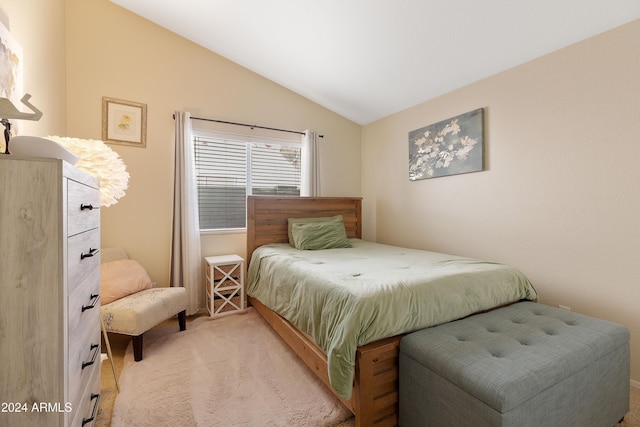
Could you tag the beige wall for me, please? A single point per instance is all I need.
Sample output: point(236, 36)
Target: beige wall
point(114, 53)
point(559, 197)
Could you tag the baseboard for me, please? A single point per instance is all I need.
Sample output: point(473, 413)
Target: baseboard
point(635, 384)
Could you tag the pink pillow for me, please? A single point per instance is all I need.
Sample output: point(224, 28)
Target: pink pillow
point(121, 278)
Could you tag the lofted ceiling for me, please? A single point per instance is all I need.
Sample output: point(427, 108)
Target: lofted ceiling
point(367, 59)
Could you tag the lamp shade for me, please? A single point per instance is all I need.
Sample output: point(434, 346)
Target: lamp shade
point(101, 161)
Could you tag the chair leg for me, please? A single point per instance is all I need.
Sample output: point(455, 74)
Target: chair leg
point(137, 347)
point(182, 321)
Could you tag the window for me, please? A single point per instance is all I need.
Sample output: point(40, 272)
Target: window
point(230, 167)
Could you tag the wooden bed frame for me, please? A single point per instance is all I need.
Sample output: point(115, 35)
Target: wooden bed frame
point(374, 399)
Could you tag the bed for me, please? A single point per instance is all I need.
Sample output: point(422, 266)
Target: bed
point(356, 356)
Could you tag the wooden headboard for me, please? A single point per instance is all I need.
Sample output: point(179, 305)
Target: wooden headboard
point(267, 216)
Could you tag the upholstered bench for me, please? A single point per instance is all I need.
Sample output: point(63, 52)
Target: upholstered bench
point(526, 364)
point(142, 306)
point(137, 313)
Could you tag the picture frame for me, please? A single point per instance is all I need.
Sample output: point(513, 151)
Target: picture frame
point(450, 147)
point(124, 122)
point(11, 75)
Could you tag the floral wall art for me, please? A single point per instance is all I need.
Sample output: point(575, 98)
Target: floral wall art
point(10, 67)
point(449, 147)
point(10, 75)
point(124, 122)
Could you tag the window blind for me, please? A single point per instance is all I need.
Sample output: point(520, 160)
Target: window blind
point(228, 169)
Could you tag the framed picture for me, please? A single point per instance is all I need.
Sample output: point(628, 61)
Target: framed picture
point(11, 71)
point(449, 147)
point(124, 122)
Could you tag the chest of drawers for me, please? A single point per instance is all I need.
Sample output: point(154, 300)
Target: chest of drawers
point(49, 294)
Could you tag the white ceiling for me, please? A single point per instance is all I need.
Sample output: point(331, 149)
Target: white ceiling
point(367, 59)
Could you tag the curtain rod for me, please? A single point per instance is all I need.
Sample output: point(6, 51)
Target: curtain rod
point(247, 125)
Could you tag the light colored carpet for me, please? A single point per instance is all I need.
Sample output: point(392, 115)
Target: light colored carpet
point(231, 371)
point(632, 419)
point(169, 331)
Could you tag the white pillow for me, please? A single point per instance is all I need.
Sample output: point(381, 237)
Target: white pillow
point(121, 278)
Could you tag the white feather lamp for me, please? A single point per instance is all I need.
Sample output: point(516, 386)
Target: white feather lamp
point(99, 160)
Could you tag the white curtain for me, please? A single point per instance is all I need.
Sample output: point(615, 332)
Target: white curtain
point(186, 260)
point(310, 166)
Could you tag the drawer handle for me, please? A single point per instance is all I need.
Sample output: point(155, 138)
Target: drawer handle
point(95, 409)
point(94, 348)
point(89, 207)
point(92, 252)
point(94, 300)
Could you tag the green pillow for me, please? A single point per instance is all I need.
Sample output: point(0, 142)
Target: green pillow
point(307, 220)
point(320, 235)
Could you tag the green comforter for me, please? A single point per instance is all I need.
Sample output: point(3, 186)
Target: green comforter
point(345, 298)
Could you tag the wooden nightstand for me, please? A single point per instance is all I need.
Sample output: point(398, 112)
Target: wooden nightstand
point(225, 284)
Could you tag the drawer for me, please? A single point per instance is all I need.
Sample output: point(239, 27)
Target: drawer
point(83, 302)
point(86, 410)
point(83, 257)
point(84, 356)
point(83, 210)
